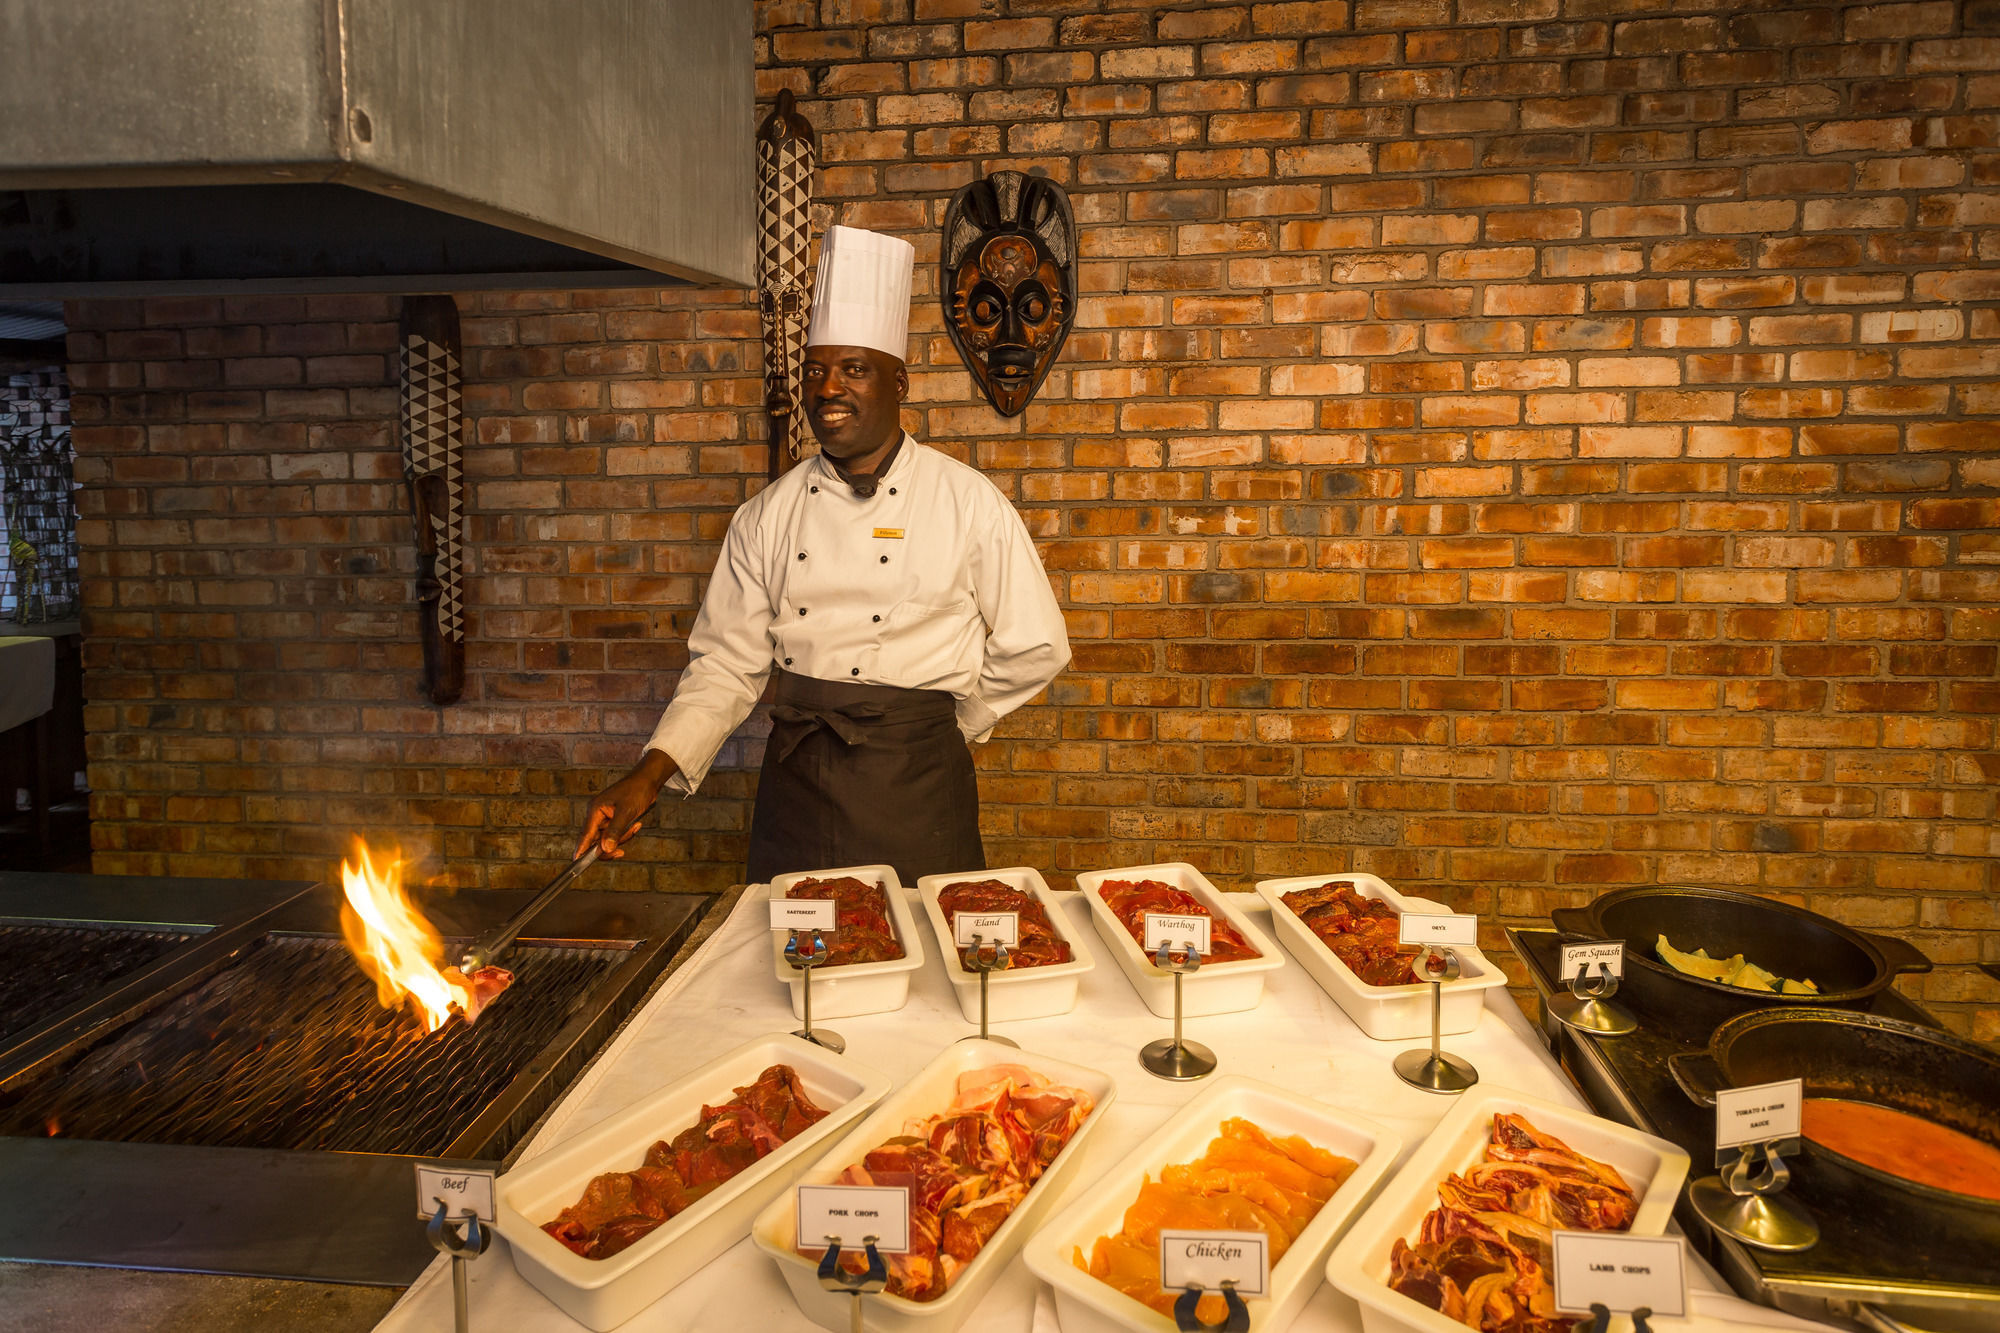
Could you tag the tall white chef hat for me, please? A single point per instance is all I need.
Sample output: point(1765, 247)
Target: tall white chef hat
point(862, 297)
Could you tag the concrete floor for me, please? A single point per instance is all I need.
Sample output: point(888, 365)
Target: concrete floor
point(48, 1298)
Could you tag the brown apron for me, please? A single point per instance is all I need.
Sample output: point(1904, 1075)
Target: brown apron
point(864, 775)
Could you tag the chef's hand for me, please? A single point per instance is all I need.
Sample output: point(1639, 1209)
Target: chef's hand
point(615, 814)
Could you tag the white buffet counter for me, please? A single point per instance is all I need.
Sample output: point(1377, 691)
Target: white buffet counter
point(725, 995)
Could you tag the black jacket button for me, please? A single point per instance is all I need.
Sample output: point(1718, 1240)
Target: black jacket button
point(855, 672)
point(878, 620)
point(788, 661)
point(802, 610)
point(885, 559)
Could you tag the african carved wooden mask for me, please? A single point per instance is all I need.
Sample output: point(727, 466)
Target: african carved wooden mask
point(1008, 282)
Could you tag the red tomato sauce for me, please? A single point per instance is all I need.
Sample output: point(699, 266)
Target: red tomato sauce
point(1905, 1145)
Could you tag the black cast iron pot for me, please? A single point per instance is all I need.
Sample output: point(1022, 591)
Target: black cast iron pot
point(1849, 966)
point(1865, 1058)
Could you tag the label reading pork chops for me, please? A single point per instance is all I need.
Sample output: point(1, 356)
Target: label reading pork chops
point(987, 928)
point(1176, 932)
point(1207, 1259)
point(1620, 1273)
point(851, 1214)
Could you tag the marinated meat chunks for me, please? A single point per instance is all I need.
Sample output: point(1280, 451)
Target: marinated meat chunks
point(1360, 931)
point(862, 933)
point(1040, 946)
point(620, 1207)
point(1130, 902)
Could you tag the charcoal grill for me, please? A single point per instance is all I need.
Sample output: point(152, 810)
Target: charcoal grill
point(211, 1086)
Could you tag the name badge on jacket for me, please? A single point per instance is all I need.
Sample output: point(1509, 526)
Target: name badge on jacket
point(894, 534)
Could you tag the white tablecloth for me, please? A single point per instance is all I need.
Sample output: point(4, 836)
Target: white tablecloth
point(27, 679)
point(725, 995)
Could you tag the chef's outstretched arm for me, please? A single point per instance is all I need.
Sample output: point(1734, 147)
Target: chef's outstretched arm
point(1027, 645)
point(729, 659)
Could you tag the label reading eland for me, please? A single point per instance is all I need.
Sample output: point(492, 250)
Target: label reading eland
point(1620, 1273)
point(990, 927)
point(1591, 958)
point(1176, 932)
point(1459, 928)
point(851, 1214)
point(1210, 1258)
point(1764, 1113)
point(464, 1191)
point(804, 914)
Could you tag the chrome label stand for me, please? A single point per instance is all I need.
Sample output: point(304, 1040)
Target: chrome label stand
point(976, 961)
point(463, 1249)
point(1174, 1058)
point(1588, 1008)
point(1435, 1070)
point(806, 960)
point(1751, 1208)
point(835, 1278)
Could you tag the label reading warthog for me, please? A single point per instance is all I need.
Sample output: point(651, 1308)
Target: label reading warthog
point(1176, 932)
point(1208, 1259)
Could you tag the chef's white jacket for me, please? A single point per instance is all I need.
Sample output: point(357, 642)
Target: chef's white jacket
point(931, 584)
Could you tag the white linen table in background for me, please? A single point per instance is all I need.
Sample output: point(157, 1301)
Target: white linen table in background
point(724, 995)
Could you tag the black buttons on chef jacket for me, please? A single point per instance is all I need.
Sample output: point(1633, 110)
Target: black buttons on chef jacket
point(885, 559)
point(815, 490)
point(788, 661)
point(802, 610)
point(855, 672)
point(892, 490)
point(878, 620)
point(802, 555)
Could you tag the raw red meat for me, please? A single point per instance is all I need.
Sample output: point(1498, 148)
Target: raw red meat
point(1130, 902)
point(1360, 931)
point(966, 1169)
point(620, 1207)
point(1040, 946)
point(862, 932)
point(1482, 1256)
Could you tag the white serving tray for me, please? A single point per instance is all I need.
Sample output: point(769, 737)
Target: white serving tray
point(853, 988)
point(1218, 988)
point(603, 1293)
point(1086, 1305)
point(1386, 1013)
point(928, 1093)
point(1033, 992)
point(1359, 1267)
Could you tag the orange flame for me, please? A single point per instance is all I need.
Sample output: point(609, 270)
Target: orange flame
point(394, 944)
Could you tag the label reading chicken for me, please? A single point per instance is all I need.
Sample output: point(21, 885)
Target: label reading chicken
point(1620, 1273)
point(1207, 1259)
point(852, 1214)
point(986, 928)
point(1176, 932)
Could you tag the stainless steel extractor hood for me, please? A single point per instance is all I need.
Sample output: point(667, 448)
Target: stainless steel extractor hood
point(152, 146)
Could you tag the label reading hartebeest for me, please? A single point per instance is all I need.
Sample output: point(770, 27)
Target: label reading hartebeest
point(850, 1214)
point(1437, 928)
point(1176, 932)
point(1591, 958)
point(464, 1192)
point(1208, 1259)
point(1764, 1113)
point(803, 914)
point(1620, 1273)
point(986, 928)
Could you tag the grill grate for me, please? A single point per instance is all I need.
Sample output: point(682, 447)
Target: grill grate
point(288, 1048)
point(46, 969)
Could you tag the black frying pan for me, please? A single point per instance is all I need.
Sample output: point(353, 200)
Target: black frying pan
point(1849, 966)
point(1865, 1058)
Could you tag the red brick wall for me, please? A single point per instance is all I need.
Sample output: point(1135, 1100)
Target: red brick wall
point(1515, 448)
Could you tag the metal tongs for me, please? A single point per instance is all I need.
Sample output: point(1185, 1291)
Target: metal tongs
point(497, 941)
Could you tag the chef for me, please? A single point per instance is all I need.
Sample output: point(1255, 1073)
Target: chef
point(893, 592)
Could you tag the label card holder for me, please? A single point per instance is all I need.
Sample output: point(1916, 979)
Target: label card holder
point(466, 1191)
point(1458, 929)
point(1176, 932)
point(1622, 1273)
point(991, 927)
point(804, 914)
point(1210, 1258)
point(1591, 958)
point(1763, 1113)
point(852, 1213)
